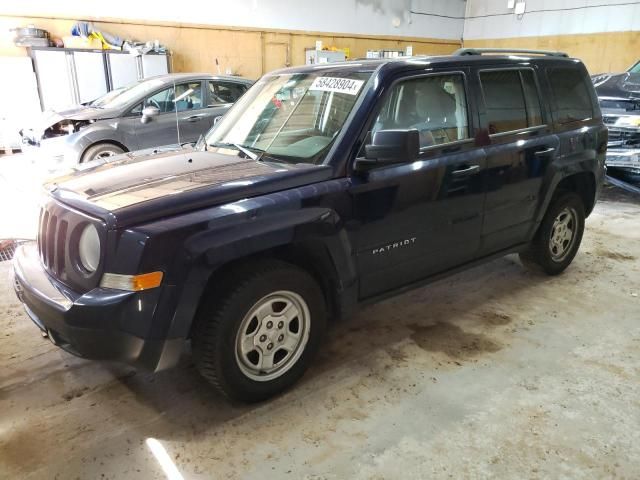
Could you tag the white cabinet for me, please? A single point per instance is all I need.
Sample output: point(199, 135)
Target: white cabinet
point(90, 75)
point(123, 69)
point(153, 65)
point(54, 78)
point(69, 76)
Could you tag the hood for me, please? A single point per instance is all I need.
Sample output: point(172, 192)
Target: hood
point(79, 113)
point(621, 85)
point(133, 188)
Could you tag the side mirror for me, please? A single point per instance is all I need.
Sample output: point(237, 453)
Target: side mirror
point(148, 113)
point(389, 147)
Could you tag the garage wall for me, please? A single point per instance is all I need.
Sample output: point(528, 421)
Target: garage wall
point(246, 52)
point(603, 33)
point(259, 37)
point(361, 17)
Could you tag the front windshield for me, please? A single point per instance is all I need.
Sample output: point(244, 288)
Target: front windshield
point(121, 97)
point(291, 117)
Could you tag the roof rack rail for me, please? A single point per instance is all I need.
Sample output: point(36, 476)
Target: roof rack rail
point(480, 51)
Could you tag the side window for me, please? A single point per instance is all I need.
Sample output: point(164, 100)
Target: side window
point(436, 106)
point(188, 96)
point(135, 111)
point(221, 93)
point(511, 100)
point(162, 100)
point(531, 98)
point(571, 95)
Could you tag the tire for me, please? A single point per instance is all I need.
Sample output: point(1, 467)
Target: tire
point(231, 315)
point(101, 150)
point(558, 239)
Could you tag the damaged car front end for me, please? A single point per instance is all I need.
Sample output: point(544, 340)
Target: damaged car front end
point(60, 138)
point(619, 97)
point(622, 117)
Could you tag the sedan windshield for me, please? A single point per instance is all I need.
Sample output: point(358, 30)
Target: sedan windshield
point(290, 117)
point(121, 97)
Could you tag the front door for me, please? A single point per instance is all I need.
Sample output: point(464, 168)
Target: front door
point(417, 219)
point(163, 128)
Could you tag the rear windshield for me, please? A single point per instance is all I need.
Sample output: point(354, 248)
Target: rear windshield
point(570, 88)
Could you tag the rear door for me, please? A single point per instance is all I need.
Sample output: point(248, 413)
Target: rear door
point(416, 219)
point(521, 148)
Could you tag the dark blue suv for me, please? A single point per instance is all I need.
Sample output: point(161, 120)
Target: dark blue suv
point(325, 187)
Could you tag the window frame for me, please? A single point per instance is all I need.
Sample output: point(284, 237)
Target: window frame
point(429, 150)
point(543, 114)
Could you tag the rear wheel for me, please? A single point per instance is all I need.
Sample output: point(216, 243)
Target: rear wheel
point(257, 337)
point(558, 238)
point(101, 151)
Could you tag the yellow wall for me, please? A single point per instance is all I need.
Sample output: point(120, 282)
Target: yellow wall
point(601, 52)
point(246, 52)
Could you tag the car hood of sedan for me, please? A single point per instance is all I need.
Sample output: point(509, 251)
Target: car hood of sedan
point(135, 187)
point(78, 112)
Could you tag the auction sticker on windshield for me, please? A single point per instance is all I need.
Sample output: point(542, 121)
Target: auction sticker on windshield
point(339, 85)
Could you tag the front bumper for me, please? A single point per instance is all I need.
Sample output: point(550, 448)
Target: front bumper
point(90, 325)
point(54, 154)
point(624, 159)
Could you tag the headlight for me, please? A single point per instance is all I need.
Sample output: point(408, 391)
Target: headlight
point(89, 248)
point(631, 121)
point(600, 79)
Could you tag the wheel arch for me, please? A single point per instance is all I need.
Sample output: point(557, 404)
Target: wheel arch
point(582, 183)
point(320, 248)
point(100, 142)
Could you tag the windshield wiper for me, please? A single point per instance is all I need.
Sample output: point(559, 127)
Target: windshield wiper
point(241, 148)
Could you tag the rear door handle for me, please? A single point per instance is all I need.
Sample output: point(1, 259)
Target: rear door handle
point(194, 118)
point(545, 152)
point(463, 172)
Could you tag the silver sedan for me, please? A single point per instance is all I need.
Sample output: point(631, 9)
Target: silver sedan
point(164, 110)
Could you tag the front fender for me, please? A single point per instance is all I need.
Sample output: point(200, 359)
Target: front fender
point(308, 215)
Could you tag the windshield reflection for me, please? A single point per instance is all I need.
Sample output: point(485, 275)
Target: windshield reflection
point(290, 117)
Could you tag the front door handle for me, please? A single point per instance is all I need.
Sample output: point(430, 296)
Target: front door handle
point(463, 172)
point(545, 152)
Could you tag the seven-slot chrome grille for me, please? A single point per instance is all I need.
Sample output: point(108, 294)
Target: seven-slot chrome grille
point(52, 240)
point(58, 235)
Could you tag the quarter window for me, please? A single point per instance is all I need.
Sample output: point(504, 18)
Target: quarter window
point(571, 94)
point(511, 100)
point(436, 106)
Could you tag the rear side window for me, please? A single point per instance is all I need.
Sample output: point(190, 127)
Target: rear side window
point(571, 95)
point(511, 100)
point(221, 93)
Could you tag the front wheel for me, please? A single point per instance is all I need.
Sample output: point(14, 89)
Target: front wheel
point(558, 238)
point(101, 151)
point(257, 337)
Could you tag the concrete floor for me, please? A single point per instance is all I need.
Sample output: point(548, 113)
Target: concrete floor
point(496, 372)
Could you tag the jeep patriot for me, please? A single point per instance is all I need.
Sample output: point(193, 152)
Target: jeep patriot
point(325, 187)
